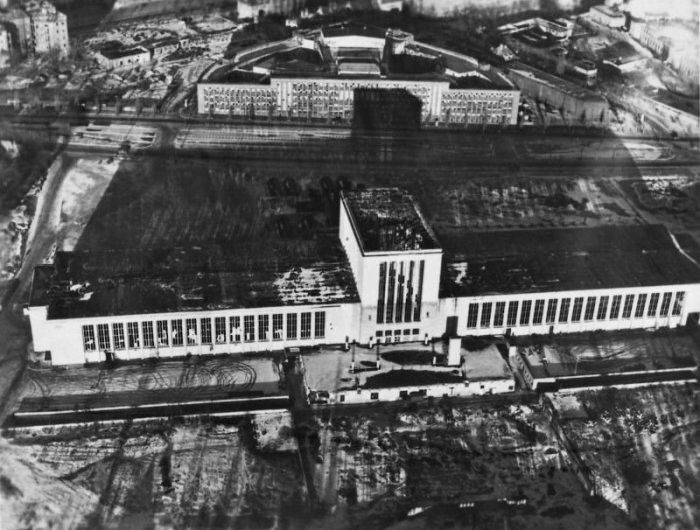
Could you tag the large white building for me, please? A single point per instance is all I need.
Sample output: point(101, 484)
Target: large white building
point(48, 27)
point(393, 280)
point(315, 74)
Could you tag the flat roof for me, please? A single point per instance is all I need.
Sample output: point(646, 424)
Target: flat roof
point(389, 220)
point(352, 29)
point(541, 260)
point(122, 52)
point(122, 282)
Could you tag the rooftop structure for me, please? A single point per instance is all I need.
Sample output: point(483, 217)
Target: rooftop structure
point(387, 220)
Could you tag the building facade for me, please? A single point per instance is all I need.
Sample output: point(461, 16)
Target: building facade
point(49, 30)
point(409, 287)
point(332, 98)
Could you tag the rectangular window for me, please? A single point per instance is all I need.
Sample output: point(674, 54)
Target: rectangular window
point(398, 315)
point(205, 330)
point(408, 311)
point(615, 308)
point(552, 310)
point(653, 305)
point(641, 305)
point(249, 328)
point(577, 310)
point(320, 324)
point(89, 338)
point(291, 325)
point(235, 329)
point(678, 303)
point(176, 332)
point(539, 312)
point(118, 332)
point(419, 292)
point(499, 314)
point(603, 308)
point(665, 305)
point(103, 337)
point(486, 315)
point(472, 315)
point(564, 310)
point(627, 309)
point(525, 312)
point(264, 327)
point(132, 329)
point(306, 325)
point(277, 326)
point(380, 296)
point(191, 328)
point(390, 293)
point(512, 313)
point(220, 330)
point(147, 328)
point(590, 308)
point(162, 331)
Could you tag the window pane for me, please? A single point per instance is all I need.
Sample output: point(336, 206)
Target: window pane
point(291, 325)
point(590, 308)
point(191, 327)
point(665, 304)
point(306, 325)
point(499, 314)
point(277, 326)
point(564, 310)
point(513, 313)
point(320, 324)
point(176, 332)
point(525, 312)
point(162, 331)
point(641, 305)
point(132, 329)
point(236, 332)
point(629, 302)
point(539, 312)
point(89, 338)
point(249, 328)
point(220, 329)
point(603, 308)
point(118, 332)
point(615, 308)
point(381, 290)
point(486, 315)
point(578, 308)
point(147, 328)
point(552, 310)
point(678, 303)
point(653, 305)
point(472, 315)
point(103, 337)
point(205, 330)
point(264, 327)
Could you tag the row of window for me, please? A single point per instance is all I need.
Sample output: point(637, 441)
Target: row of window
point(396, 334)
point(549, 311)
point(197, 331)
point(399, 291)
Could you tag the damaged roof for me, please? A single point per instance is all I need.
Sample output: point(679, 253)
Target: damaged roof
point(95, 283)
point(388, 220)
point(522, 261)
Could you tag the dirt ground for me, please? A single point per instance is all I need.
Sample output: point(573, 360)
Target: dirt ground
point(449, 456)
point(642, 446)
point(165, 475)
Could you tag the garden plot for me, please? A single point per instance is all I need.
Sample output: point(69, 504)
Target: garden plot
point(641, 446)
point(162, 475)
point(451, 454)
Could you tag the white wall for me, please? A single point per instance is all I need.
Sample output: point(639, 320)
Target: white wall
point(467, 388)
point(64, 337)
point(459, 307)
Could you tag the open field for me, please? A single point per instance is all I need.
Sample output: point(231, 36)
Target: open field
point(162, 475)
point(641, 446)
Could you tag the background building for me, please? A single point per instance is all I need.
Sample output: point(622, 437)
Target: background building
point(49, 30)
